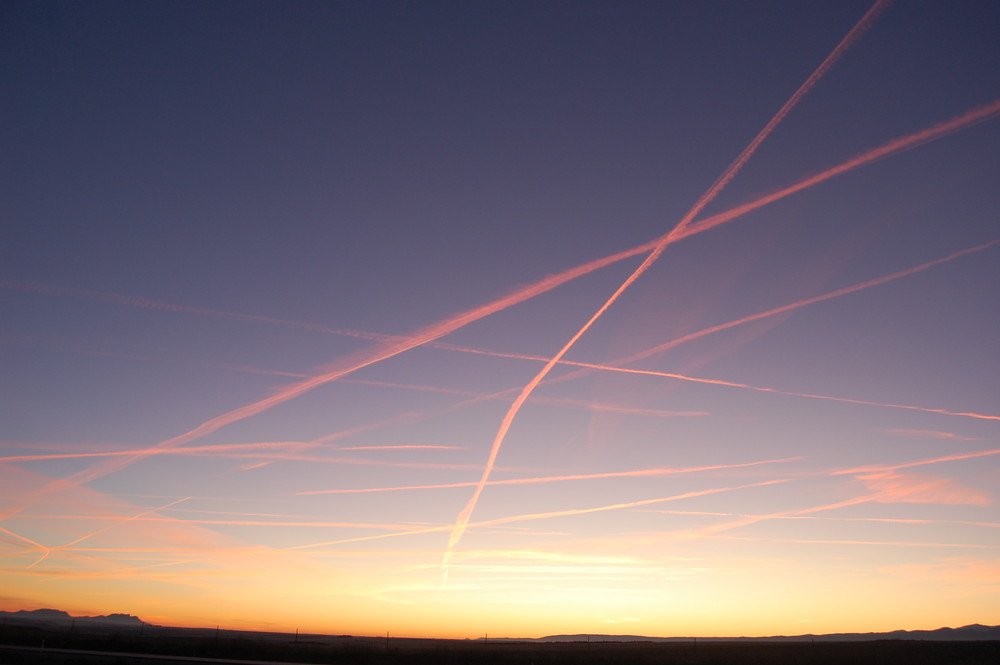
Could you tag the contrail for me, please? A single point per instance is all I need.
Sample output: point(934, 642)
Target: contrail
point(232, 450)
point(890, 520)
point(552, 479)
point(118, 522)
point(746, 386)
point(908, 142)
point(905, 465)
point(747, 520)
point(406, 446)
point(614, 366)
point(807, 301)
point(393, 346)
point(22, 538)
point(538, 516)
point(177, 520)
point(861, 542)
point(657, 250)
point(855, 33)
point(147, 303)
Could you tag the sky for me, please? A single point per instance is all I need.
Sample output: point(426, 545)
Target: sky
point(447, 319)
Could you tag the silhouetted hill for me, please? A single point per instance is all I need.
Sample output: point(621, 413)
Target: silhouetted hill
point(59, 616)
point(965, 633)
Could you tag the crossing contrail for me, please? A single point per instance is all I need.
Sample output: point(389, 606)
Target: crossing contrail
point(393, 346)
point(659, 247)
point(615, 365)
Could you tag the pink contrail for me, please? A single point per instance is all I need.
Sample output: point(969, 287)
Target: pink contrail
point(118, 522)
point(222, 449)
point(754, 519)
point(147, 303)
point(404, 447)
point(613, 366)
point(177, 520)
point(394, 346)
point(855, 33)
point(20, 537)
point(745, 386)
point(657, 250)
point(552, 479)
point(807, 301)
point(908, 142)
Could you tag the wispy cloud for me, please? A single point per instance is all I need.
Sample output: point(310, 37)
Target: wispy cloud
point(895, 487)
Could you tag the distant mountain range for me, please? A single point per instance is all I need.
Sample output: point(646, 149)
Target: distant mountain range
point(58, 616)
point(965, 633)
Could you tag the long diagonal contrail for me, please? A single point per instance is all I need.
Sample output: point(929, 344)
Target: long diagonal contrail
point(391, 347)
point(615, 365)
point(660, 246)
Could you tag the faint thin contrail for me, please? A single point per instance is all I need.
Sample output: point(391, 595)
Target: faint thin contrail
point(900, 543)
point(552, 479)
point(746, 386)
point(889, 520)
point(905, 465)
point(148, 303)
point(244, 450)
point(660, 246)
point(538, 516)
point(390, 347)
point(178, 520)
point(118, 522)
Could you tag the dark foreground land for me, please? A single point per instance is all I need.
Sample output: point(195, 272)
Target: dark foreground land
point(177, 646)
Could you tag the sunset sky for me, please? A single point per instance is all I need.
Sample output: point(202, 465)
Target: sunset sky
point(520, 318)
